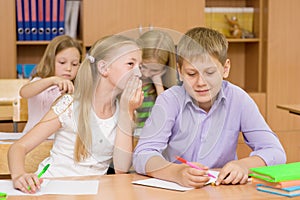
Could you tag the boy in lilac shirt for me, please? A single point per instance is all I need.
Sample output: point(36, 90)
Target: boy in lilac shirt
point(201, 120)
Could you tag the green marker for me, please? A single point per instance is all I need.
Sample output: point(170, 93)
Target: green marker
point(3, 196)
point(41, 173)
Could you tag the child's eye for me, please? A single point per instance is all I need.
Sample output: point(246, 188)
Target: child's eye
point(210, 72)
point(131, 63)
point(155, 71)
point(191, 74)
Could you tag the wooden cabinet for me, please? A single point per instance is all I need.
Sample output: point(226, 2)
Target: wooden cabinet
point(283, 67)
point(100, 17)
point(7, 39)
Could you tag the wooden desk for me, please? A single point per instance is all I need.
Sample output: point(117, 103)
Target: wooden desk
point(116, 187)
point(32, 159)
point(12, 107)
point(292, 108)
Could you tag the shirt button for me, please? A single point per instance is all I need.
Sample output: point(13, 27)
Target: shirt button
point(100, 141)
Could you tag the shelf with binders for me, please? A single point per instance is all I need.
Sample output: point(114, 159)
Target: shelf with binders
point(44, 42)
point(31, 50)
point(42, 20)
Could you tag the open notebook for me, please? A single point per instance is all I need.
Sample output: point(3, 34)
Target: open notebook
point(65, 187)
point(158, 183)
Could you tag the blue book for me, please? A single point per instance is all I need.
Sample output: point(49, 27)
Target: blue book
point(28, 69)
point(19, 71)
point(288, 191)
point(20, 22)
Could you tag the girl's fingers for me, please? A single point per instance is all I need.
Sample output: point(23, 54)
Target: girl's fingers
point(28, 183)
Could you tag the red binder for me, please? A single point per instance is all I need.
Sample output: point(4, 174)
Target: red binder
point(54, 19)
point(61, 17)
point(41, 18)
point(34, 26)
point(47, 19)
point(27, 26)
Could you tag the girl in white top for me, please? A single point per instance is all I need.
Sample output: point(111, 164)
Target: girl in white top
point(52, 77)
point(94, 126)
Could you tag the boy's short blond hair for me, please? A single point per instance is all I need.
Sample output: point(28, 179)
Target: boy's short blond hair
point(199, 42)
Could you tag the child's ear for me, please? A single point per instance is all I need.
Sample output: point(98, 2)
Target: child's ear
point(226, 68)
point(102, 68)
point(179, 72)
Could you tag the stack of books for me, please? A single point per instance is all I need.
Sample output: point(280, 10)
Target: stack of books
point(281, 179)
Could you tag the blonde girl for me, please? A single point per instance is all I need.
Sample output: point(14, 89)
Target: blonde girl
point(94, 126)
point(158, 69)
point(53, 76)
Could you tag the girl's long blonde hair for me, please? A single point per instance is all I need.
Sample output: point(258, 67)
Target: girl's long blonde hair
point(46, 66)
point(160, 46)
point(86, 82)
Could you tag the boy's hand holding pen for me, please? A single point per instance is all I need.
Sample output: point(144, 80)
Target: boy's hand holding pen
point(192, 165)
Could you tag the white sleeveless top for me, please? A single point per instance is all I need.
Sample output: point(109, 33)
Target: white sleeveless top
point(61, 156)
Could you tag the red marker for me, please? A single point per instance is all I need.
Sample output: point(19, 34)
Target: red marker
point(192, 165)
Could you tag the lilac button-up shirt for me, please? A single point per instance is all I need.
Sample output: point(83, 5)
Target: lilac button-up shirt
point(177, 126)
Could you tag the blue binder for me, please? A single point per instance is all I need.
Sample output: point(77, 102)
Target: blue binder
point(61, 17)
point(40, 19)
point(54, 19)
point(33, 19)
point(27, 25)
point(47, 19)
point(20, 17)
point(20, 71)
point(28, 69)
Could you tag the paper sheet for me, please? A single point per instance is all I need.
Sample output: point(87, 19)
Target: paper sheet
point(153, 182)
point(64, 187)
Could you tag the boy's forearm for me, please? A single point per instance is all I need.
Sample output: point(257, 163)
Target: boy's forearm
point(252, 161)
point(160, 168)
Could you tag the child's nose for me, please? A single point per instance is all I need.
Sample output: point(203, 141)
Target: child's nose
point(137, 72)
point(201, 80)
point(68, 67)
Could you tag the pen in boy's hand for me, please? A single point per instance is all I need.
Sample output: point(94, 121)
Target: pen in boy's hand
point(41, 173)
point(192, 165)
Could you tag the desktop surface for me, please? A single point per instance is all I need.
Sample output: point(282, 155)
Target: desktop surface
point(119, 187)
